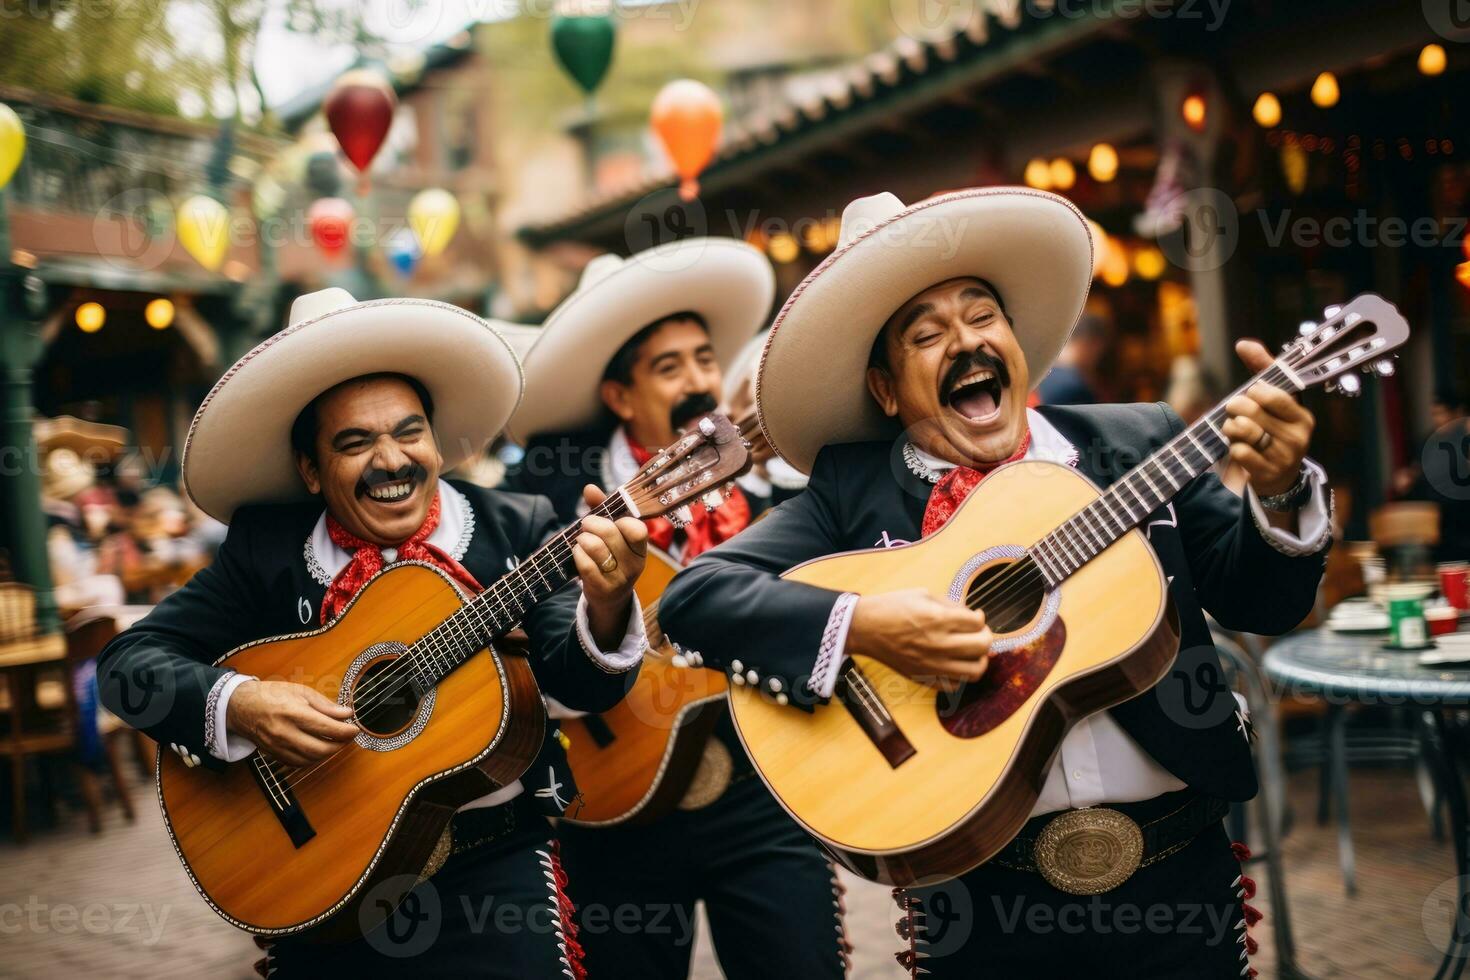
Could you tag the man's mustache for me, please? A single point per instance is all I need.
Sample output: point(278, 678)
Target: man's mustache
point(977, 359)
point(377, 476)
point(691, 408)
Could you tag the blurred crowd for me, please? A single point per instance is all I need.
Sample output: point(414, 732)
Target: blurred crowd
point(113, 539)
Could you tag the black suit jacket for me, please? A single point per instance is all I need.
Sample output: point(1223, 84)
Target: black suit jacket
point(157, 675)
point(730, 603)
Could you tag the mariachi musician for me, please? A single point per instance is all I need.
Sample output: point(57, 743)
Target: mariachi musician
point(625, 361)
point(325, 458)
point(897, 374)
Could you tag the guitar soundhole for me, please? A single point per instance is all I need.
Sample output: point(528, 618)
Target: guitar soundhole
point(1010, 604)
point(384, 699)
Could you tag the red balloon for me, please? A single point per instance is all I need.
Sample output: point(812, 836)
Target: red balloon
point(359, 110)
point(330, 221)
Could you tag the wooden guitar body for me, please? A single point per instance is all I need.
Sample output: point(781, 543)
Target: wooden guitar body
point(633, 763)
point(960, 776)
point(366, 820)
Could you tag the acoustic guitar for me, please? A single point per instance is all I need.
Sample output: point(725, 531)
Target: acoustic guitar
point(634, 763)
point(444, 719)
point(904, 784)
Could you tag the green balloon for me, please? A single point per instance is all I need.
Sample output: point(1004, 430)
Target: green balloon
point(584, 46)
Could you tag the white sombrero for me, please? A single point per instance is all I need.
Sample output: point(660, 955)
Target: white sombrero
point(728, 283)
point(239, 446)
point(1034, 247)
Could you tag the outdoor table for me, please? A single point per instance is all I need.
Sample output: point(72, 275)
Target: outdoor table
point(1354, 668)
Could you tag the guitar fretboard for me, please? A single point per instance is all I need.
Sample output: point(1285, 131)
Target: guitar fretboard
point(502, 606)
point(1145, 488)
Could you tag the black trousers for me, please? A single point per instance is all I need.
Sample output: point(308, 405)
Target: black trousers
point(493, 910)
point(1180, 918)
point(773, 900)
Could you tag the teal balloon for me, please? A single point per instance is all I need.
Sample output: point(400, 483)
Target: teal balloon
point(584, 46)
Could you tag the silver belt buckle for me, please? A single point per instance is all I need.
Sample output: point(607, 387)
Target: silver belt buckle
point(1090, 851)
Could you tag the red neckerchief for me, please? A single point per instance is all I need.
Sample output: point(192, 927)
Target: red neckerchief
point(707, 528)
point(955, 486)
point(367, 561)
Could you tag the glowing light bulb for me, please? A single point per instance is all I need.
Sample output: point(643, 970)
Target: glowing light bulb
point(90, 317)
point(1102, 163)
point(1267, 110)
point(159, 313)
point(1325, 92)
point(1432, 60)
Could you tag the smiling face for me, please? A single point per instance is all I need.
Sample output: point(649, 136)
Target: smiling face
point(667, 376)
point(376, 463)
point(948, 367)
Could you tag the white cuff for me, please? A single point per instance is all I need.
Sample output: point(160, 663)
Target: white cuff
point(628, 654)
point(1313, 518)
point(223, 744)
point(831, 657)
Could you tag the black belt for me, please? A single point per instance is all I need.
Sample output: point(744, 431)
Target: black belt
point(479, 826)
point(1166, 824)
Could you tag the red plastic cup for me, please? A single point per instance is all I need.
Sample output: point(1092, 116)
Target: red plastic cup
point(1454, 582)
point(1442, 620)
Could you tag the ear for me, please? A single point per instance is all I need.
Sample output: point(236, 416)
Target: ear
point(880, 384)
point(616, 397)
point(309, 474)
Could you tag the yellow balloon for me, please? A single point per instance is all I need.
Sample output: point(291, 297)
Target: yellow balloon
point(12, 143)
point(204, 230)
point(434, 216)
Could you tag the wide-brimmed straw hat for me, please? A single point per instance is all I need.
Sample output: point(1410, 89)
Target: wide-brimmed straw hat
point(728, 283)
point(1034, 247)
point(239, 446)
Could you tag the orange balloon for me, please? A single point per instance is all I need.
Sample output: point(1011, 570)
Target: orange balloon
point(687, 117)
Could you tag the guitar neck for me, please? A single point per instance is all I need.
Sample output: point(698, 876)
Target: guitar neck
point(1145, 488)
point(504, 605)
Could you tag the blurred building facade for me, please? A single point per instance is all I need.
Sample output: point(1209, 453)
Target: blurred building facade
point(1208, 151)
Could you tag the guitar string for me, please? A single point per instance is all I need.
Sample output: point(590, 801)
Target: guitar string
point(646, 478)
point(1018, 576)
point(384, 687)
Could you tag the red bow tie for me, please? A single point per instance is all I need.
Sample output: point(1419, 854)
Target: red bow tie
point(956, 485)
point(367, 561)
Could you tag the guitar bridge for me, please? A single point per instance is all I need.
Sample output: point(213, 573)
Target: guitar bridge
point(872, 716)
point(282, 800)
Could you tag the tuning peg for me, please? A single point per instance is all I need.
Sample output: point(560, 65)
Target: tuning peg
point(707, 427)
point(713, 498)
point(1384, 367)
point(681, 516)
point(1331, 312)
point(1306, 327)
point(1349, 385)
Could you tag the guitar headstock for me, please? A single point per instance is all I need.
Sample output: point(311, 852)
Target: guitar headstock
point(699, 465)
point(1359, 335)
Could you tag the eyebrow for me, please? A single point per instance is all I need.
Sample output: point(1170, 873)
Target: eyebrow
point(921, 310)
point(347, 435)
point(653, 365)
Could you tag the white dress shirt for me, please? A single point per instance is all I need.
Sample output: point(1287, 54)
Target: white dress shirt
point(325, 560)
point(1099, 762)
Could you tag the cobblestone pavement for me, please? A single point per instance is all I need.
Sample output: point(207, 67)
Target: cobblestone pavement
point(118, 904)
